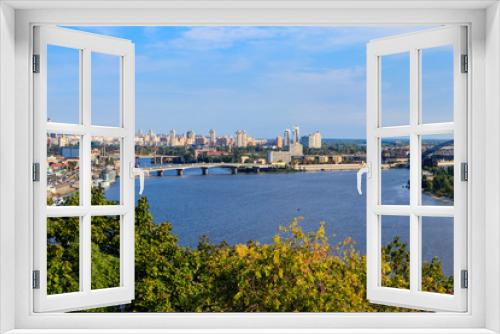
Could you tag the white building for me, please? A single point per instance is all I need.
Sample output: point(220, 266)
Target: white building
point(296, 149)
point(172, 139)
point(211, 135)
point(190, 137)
point(296, 134)
point(287, 137)
point(314, 140)
point(241, 139)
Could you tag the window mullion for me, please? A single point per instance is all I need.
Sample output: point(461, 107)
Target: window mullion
point(414, 171)
point(85, 254)
point(85, 174)
point(85, 90)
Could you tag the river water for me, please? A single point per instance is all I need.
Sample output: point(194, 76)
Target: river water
point(238, 208)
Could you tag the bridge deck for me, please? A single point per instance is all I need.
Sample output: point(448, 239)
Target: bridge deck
point(204, 165)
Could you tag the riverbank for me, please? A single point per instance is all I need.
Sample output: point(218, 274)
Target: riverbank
point(309, 168)
point(326, 167)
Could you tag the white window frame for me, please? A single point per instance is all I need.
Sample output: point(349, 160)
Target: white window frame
point(16, 21)
point(85, 44)
point(412, 44)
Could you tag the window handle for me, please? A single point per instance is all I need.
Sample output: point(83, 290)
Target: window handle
point(365, 169)
point(134, 171)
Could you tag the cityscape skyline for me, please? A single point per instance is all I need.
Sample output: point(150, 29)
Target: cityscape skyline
point(240, 138)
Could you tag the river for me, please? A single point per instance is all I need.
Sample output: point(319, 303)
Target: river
point(237, 208)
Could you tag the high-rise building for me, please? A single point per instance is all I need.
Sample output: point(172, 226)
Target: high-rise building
point(314, 140)
point(190, 137)
point(172, 138)
point(241, 139)
point(279, 142)
point(182, 140)
point(296, 134)
point(287, 137)
point(211, 135)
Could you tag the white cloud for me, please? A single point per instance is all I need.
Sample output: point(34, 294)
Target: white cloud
point(328, 38)
point(309, 38)
point(207, 38)
point(150, 64)
point(239, 65)
point(339, 75)
point(327, 86)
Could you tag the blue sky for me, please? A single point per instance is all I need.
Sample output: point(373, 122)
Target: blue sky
point(260, 79)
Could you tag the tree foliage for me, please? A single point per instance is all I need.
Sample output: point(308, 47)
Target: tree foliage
point(440, 183)
point(298, 272)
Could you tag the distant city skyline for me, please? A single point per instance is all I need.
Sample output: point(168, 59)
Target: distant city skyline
point(213, 132)
point(257, 78)
point(239, 138)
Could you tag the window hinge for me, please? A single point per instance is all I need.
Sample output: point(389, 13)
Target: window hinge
point(36, 279)
point(465, 63)
point(36, 63)
point(464, 279)
point(36, 172)
point(464, 169)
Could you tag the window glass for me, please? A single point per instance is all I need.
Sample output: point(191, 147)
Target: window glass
point(437, 254)
point(63, 84)
point(105, 252)
point(106, 90)
point(395, 251)
point(395, 90)
point(63, 169)
point(395, 171)
point(437, 170)
point(106, 169)
point(63, 254)
point(437, 84)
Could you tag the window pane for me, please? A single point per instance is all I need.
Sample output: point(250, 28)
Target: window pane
point(437, 254)
point(437, 84)
point(63, 84)
point(395, 251)
point(63, 265)
point(437, 170)
point(106, 92)
point(105, 252)
point(395, 173)
point(106, 168)
point(395, 90)
point(63, 169)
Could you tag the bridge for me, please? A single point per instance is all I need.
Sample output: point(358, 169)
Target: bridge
point(158, 159)
point(435, 148)
point(204, 167)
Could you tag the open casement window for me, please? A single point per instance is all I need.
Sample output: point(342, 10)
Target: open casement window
point(84, 140)
point(420, 128)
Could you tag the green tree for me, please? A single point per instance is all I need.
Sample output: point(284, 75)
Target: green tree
point(433, 279)
point(297, 272)
point(62, 255)
point(63, 242)
point(396, 264)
